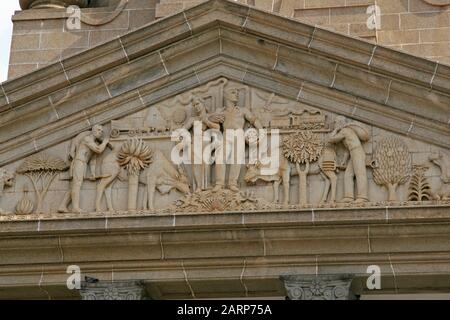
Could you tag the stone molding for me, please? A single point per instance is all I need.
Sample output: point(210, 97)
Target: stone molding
point(438, 2)
point(319, 287)
point(123, 290)
point(391, 98)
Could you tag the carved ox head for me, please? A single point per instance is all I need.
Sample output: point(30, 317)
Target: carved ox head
point(181, 182)
point(253, 172)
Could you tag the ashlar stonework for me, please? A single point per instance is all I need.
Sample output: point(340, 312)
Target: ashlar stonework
point(87, 151)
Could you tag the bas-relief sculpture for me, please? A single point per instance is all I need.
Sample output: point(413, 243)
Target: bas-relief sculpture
point(316, 148)
point(6, 180)
point(443, 162)
point(83, 148)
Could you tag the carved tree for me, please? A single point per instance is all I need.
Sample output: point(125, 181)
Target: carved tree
point(42, 169)
point(419, 188)
point(302, 147)
point(134, 156)
point(392, 165)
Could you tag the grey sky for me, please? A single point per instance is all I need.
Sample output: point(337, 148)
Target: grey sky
point(7, 8)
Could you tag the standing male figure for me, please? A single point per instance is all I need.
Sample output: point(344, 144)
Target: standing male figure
point(351, 136)
point(82, 149)
point(234, 117)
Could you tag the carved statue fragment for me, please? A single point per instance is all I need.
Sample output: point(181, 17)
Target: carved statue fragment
point(42, 169)
point(352, 136)
point(6, 180)
point(419, 187)
point(392, 165)
point(442, 160)
point(82, 149)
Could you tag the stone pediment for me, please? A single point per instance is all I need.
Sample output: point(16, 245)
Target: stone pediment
point(324, 161)
point(293, 77)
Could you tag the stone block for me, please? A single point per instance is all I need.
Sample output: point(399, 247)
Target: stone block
point(25, 42)
point(398, 37)
point(389, 6)
point(313, 16)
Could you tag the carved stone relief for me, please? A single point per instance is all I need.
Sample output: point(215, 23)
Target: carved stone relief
point(443, 162)
point(41, 169)
point(122, 290)
point(6, 180)
point(392, 165)
point(324, 160)
point(419, 187)
point(323, 287)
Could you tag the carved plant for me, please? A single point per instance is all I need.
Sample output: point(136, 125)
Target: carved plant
point(134, 156)
point(42, 169)
point(25, 205)
point(392, 165)
point(302, 147)
point(419, 188)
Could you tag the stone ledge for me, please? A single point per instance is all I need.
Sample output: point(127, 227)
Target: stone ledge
point(151, 221)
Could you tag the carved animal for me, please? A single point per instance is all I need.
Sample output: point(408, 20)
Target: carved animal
point(161, 175)
point(110, 170)
point(443, 162)
point(325, 168)
point(6, 180)
point(283, 176)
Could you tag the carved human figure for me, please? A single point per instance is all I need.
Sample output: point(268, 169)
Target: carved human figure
point(352, 135)
point(234, 117)
point(6, 180)
point(200, 171)
point(83, 147)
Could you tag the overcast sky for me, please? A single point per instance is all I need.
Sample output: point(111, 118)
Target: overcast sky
point(7, 8)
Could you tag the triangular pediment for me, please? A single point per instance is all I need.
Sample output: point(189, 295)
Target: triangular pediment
point(142, 83)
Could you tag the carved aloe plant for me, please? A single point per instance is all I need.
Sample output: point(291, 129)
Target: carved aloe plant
point(302, 147)
point(42, 169)
point(134, 156)
point(419, 188)
point(392, 165)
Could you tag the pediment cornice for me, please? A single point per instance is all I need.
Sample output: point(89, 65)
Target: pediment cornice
point(370, 83)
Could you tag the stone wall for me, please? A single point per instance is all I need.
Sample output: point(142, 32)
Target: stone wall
point(41, 37)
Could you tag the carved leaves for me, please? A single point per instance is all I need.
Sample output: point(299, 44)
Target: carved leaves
point(392, 164)
point(135, 156)
point(41, 169)
point(302, 147)
point(42, 162)
point(419, 188)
